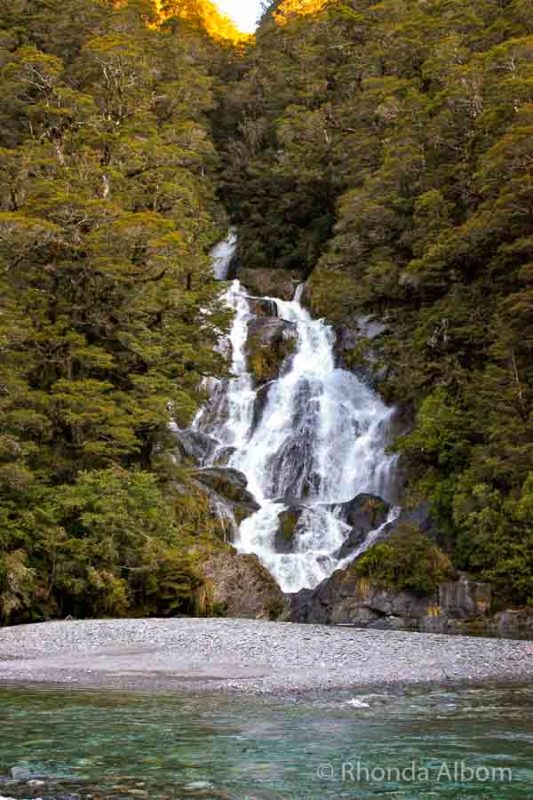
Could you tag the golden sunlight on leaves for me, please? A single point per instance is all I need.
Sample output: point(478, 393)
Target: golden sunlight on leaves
point(292, 8)
point(206, 14)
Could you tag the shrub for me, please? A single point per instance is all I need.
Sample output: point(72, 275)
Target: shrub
point(408, 561)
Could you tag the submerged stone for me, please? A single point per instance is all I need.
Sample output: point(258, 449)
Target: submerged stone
point(20, 773)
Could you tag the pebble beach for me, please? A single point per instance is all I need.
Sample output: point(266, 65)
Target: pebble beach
point(249, 656)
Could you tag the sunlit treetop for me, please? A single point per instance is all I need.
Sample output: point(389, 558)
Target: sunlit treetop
point(204, 12)
point(291, 8)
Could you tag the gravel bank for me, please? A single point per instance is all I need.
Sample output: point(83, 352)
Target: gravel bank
point(248, 656)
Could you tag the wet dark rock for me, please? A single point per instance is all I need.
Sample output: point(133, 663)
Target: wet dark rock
point(223, 456)
point(291, 472)
point(285, 538)
point(365, 513)
point(228, 482)
point(352, 544)
point(261, 399)
point(263, 307)
point(196, 445)
point(230, 500)
point(459, 606)
point(270, 342)
point(280, 283)
point(240, 586)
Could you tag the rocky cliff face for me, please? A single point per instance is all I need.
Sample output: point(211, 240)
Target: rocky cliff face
point(461, 606)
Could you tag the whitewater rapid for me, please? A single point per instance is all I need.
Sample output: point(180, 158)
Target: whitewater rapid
point(319, 441)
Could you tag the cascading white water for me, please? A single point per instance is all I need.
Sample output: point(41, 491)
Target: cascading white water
point(320, 441)
point(222, 254)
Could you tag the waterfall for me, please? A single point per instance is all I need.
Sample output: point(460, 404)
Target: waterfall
point(222, 255)
point(319, 441)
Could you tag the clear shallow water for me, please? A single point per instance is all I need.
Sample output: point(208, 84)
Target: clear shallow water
point(120, 745)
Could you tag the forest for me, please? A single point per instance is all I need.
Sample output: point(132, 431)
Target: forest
point(382, 151)
point(109, 315)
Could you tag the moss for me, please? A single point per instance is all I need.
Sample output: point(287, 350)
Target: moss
point(288, 520)
point(266, 358)
point(264, 365)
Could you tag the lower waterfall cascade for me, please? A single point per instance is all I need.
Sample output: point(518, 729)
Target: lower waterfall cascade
point(317, 440)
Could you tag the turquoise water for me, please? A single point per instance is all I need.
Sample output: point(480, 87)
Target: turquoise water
point(353, 746)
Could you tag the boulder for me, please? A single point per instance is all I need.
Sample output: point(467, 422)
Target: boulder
point(229, 500)
point(228, 482)
point(270, 342)
point(222, 456)
point(240, 586)
point(465, 598)
point(262, 307)
point(284, 540)
point(347, 599)
point(365, 513)
point(20, 773)
point(515, 623)
point(196, 445)
point(460, 606)
point(267, 282)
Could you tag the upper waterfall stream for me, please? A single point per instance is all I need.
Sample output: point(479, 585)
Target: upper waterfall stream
point(315, 441)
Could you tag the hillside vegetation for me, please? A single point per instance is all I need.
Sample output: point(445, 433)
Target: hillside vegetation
point(108, 313)
point(385, 149)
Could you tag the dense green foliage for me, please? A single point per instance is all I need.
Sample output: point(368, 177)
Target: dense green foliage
point(108, 313)
point(408, 561)
point(382, 148)
point(386, 148)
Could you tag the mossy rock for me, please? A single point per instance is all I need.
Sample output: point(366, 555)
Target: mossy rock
point(270, 342)
point(271, 282)
point(230, 483)
point(286, 533)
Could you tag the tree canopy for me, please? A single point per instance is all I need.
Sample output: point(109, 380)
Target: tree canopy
point(108, 314)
